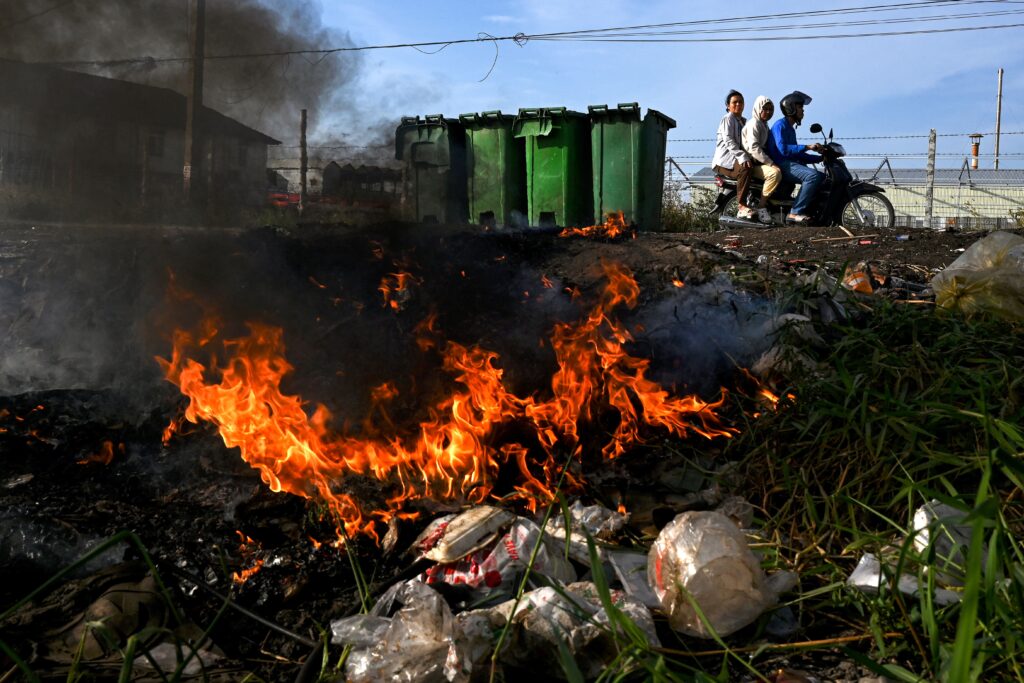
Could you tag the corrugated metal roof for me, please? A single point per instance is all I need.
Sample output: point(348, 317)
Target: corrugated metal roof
point(918, 176)
point(40, 87)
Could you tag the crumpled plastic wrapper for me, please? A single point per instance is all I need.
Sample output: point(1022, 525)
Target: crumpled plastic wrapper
point(706, 555)
point(423, 641)
point(987, 278)
point(419, 643)
point(869, 577)
point(595, 521)
point(943, 529)
point(493, 570)
point(574, 617)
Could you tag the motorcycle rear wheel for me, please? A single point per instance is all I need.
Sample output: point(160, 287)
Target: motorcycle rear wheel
point(875, 208)
point(732, 207)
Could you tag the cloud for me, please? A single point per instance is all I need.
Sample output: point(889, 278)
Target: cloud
point(501, 19)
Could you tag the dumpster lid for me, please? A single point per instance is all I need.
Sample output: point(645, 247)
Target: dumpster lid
point(668, 121)
point(533, 122)
point(628, 109)
point(485, 117)
point(430, 120)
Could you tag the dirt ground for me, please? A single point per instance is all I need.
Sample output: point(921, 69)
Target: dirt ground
point(912, 254)
point(89, 332)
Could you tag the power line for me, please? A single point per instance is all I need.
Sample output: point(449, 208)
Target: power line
point(610, 33)
point(30, 17)
point(831, 36)
point(773, 17)
point(606, 35)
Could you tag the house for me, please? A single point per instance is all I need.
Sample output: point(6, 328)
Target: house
point(966, 198)
point(329, 182)
point(84, 146)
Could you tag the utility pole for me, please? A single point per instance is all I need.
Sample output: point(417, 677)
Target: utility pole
point(999, 114)
point(303, 163)
point(929, 195)
point(193, 131)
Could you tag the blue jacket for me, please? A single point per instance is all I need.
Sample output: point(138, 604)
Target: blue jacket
point(782, 145)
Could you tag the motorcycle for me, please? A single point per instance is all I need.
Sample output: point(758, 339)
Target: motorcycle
point(840, 200)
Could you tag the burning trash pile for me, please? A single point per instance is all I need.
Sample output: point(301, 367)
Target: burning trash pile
point(501, 518)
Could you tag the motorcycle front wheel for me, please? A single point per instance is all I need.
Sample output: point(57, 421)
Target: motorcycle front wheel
point(872, 210)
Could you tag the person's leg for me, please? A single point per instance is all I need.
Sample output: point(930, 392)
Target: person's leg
point(742, 187)
point(757, 173)
point(770, 175)
point(741, 174)
point(809, 180)
point(772, 178)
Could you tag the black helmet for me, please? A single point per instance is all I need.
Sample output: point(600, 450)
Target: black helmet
point(789, 102)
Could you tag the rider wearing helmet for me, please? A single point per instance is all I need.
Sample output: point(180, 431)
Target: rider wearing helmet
point(792, 157)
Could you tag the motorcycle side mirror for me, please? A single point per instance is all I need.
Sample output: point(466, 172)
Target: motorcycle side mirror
point(815, 128)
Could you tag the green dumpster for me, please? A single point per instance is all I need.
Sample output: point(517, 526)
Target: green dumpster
point(628, 162)
point(433, 152)
point(495, 170)
point(557, 166)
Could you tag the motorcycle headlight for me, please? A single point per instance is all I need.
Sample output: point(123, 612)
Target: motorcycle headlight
point(838, 149)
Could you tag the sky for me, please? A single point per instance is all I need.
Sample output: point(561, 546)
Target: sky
point(862, 87)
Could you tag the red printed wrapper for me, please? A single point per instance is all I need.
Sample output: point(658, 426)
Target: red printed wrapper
point(495, 568)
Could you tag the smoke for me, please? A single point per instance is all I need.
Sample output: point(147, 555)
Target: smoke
point(265, 93)
point(698, 336)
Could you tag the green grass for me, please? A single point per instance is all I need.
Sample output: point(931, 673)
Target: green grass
point(906, 406)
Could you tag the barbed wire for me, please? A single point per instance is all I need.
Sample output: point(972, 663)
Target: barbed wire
point(877, 137)
point(1002, 155)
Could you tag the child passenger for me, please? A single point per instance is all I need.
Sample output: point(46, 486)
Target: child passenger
point(755, 141)
point(730, 160)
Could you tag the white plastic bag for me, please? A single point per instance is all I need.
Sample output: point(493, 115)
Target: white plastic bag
point(987, 278)
point(705, 555)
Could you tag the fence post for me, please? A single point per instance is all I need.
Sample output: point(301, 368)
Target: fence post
point(929, 197)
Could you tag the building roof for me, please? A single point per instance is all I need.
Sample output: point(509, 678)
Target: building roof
point(44, 88)
point(1012, 177)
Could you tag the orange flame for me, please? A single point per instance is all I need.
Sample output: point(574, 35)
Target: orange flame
point(105, 455)
point(394, 287)
point(614, 226)
point(246, 574)
point(453, 455)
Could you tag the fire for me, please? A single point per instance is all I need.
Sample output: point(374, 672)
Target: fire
point(104, 456)
point(455, 453)
point(614, 226)
point(246, 574)
point(395, 288)
point(678, 283)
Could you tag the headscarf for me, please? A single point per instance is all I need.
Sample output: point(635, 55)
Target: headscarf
point(759, 104)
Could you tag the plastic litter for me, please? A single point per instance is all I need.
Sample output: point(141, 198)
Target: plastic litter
point(493, 570)
point(863, 277)
point(574, 617)
point(418, 642)
point(987, 278)
point(705, 555)
point(167, 657)
point(630, 568)
point(595, 521)
point(941, 528)
point(868, 578)
point(451, 537)
point(411, 634)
